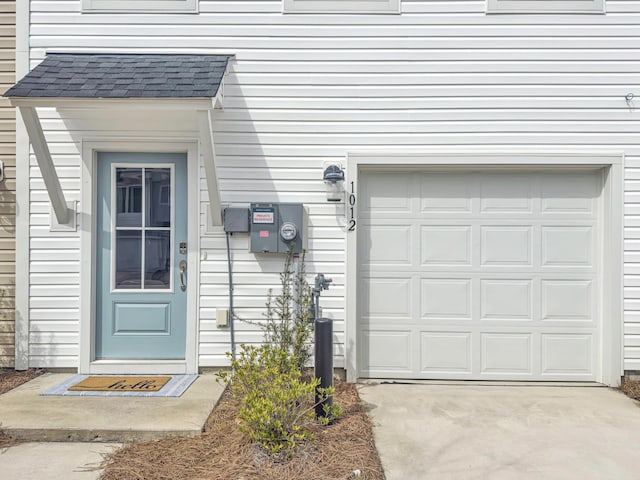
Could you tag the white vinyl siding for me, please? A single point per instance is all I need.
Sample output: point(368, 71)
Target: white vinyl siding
point(546, 6)
point(632, 263)
point(307, 89)
point(8, 185)
point(341, 6)
point(132, 6)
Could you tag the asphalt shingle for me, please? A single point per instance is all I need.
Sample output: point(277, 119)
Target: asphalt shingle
point(112, 75)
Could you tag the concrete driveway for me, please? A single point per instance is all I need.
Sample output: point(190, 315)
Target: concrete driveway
point(504, 432)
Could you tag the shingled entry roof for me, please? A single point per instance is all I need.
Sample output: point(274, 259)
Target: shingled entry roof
point(92, 75)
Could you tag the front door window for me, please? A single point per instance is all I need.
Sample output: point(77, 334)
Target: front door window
point(142, 231)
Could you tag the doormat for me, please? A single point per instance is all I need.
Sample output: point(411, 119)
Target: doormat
point(103, 383)
point(122, 386)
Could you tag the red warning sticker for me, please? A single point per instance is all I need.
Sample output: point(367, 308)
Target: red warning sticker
point(264, 233)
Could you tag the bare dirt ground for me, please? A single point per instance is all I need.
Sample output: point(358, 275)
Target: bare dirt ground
point(222, 452)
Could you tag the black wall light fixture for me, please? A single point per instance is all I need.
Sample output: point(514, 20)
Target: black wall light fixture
point(333, 177)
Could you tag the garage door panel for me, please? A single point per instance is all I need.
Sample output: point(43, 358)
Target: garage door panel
point(572, 193)
point(446, 298)
point(388, 244)
point(500, 193)
point(567, 246)
point(503, 284)
point(446, 352)
point(506, 245)
point(387, 297)
point(446, 245)
point(393, 352)
point(567, 300)
point(567, 354)
point(387, 193)
point(506, 299)
point(445, 193)
point(506, 353)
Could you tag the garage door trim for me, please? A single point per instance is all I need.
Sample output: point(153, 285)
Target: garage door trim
point(612, 204)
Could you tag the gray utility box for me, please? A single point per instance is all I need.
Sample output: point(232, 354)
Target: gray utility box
point(276, 226)
point(236, 220)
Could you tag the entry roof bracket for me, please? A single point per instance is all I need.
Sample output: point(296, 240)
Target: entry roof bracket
point(207, 149)
point(59, 204)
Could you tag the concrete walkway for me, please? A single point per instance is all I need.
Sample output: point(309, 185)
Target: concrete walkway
point(465, 432)
point(53, 461)
point(49, 421)
point(26, 415)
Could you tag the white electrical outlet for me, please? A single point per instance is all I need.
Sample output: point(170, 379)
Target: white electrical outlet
point(222, 317)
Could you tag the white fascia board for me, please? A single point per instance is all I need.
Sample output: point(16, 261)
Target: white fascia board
point(43, 156)
point(207, 149)
point(218, 100)
point(119, 103)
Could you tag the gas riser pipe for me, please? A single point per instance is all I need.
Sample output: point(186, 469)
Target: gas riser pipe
point(323, 361)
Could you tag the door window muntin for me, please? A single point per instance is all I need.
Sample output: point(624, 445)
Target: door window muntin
point(131, 201)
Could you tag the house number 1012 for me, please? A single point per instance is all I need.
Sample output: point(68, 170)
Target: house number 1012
point(352, 204)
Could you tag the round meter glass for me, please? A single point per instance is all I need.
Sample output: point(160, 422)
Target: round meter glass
point(288, 231)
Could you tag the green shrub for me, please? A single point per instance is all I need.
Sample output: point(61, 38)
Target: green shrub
point(277, 405)
point(289, 326)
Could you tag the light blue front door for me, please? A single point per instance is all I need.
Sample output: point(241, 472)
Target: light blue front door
point(141, 230)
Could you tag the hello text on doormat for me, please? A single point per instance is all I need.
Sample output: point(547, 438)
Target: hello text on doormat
point(102, 383)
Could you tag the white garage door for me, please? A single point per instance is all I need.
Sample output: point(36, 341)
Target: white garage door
point(480, 275)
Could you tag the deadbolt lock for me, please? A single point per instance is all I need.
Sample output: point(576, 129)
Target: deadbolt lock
point(183, 248)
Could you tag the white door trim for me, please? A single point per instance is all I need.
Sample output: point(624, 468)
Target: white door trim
point(88, 364)
point(611, 346)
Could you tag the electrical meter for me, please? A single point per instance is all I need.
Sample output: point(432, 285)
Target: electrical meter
point(288, 231)
point(275, 227)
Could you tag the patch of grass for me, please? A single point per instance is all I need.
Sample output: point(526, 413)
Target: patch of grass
point(631, 388)
point(223, 452)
